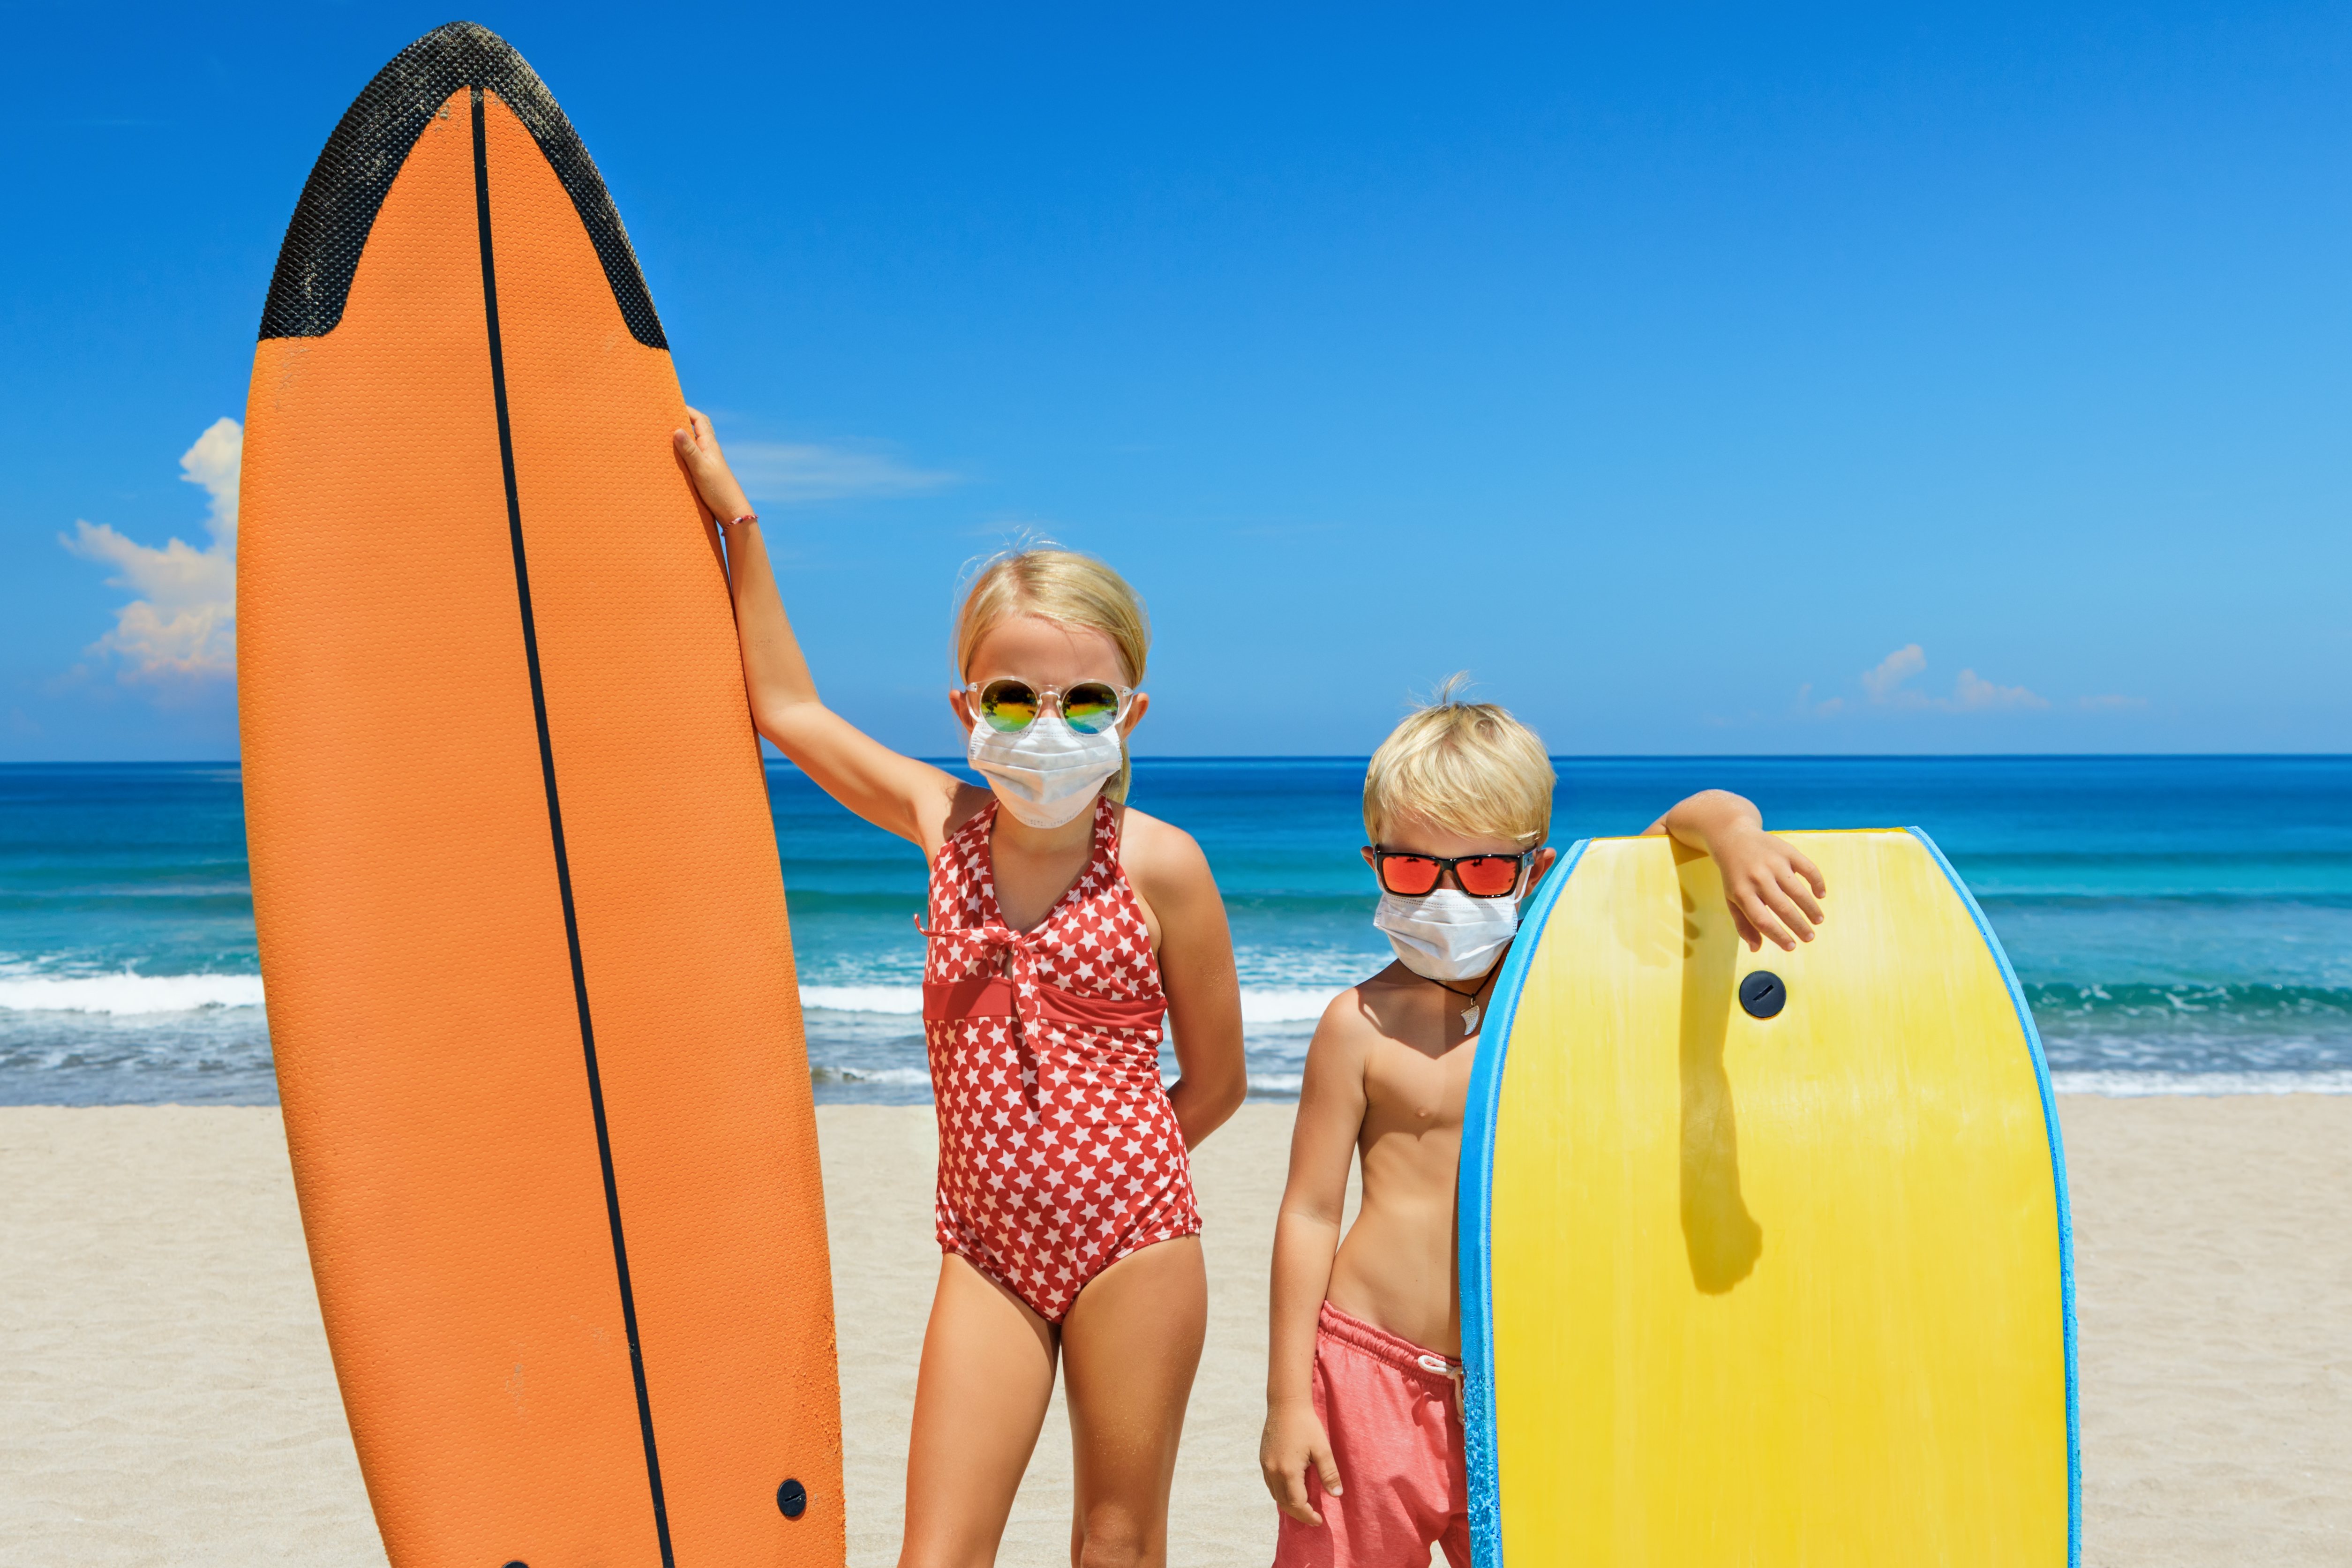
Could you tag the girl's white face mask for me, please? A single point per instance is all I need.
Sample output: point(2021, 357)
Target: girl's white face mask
point(1045, 773)
point(1447, 934)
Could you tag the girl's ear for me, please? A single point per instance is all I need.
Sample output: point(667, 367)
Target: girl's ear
point(959, 704)
point(1542, 863)
point(1136, 707)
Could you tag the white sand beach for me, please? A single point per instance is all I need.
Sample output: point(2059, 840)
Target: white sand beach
point(166, 1395)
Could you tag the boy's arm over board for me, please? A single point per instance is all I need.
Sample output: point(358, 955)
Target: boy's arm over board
point(1773, 890)
point(1306, 1239)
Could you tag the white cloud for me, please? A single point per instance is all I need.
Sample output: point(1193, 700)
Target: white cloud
point(183, 624)
point(1884, 681)
point(1973, 693)
point(784, 472)
point(1887, 687)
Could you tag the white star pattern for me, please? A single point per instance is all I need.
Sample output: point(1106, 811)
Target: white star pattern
point(1064, 1099)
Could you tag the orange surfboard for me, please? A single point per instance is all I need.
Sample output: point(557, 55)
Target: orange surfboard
point(522, 929)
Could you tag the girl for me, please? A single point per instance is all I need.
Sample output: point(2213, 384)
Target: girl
point(1063, 925)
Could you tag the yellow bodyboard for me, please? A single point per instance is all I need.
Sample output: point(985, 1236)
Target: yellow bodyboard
point(1759, 1274)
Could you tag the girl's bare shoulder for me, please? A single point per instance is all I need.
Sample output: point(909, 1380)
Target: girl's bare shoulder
point(1163, 860)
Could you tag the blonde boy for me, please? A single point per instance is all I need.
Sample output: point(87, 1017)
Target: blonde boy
point(1361, 1403)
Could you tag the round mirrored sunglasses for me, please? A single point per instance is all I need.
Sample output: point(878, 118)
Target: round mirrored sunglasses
point(1006, 705)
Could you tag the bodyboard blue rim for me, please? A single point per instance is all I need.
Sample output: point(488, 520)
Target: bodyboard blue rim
point(2058, 1181)
point(1475, 1204)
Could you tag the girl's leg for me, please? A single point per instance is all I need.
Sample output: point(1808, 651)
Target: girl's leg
point(1129, 1347)
point(980, 1398)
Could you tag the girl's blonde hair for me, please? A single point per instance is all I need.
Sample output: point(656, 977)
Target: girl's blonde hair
point(1061, 585)
point(1468, 768)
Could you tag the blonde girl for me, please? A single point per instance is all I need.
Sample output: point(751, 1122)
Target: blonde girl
point(1065, 929)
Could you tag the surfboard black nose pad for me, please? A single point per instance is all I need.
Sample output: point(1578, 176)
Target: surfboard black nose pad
point(1762, 995)
point(792, 1499)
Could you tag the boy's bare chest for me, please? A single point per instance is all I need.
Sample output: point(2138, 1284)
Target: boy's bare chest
point(1412, 1090)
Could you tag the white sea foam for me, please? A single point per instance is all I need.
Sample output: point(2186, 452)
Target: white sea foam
point(898, 1000)
point(2130, 1086)
point(127, 992)
point(825, 1071)
point(2113, 1085)
point(1260, 1005)
point(1285, 1005)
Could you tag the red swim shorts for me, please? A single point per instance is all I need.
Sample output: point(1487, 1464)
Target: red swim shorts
point(1393, 1411)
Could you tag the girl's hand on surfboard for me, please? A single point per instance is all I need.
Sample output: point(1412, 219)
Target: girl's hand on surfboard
point(1294, 1443)
point(1773, 890)
point(698, 449)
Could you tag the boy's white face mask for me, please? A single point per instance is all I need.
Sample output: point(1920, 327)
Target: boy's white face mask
point(1447, 934)
point(1045, 773)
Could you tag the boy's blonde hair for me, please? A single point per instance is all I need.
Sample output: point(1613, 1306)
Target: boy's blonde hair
point(1468, 768)
point(1060, 585)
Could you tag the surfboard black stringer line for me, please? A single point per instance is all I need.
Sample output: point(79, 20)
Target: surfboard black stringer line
point(555, 820)
point(348, 184)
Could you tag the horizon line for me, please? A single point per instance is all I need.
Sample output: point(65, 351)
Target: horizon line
point(1582, 756)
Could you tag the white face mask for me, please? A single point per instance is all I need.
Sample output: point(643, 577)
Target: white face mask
point(1447, 934)
point(1046, 772)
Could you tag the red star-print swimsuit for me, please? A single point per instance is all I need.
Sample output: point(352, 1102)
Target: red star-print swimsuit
point(1059, 1152)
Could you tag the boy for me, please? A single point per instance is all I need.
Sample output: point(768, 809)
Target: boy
point(1362, 1448)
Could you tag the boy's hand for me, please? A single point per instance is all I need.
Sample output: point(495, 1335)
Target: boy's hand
point(1294, 1445)
point(698, 453)
point(1773, 890)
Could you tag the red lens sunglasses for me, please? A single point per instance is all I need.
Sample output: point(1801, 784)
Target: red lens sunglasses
point(1410, 875)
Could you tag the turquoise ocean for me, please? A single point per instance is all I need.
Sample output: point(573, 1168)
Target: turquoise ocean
point(2182, 924)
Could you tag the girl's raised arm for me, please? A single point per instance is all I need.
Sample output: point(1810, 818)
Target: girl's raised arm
point(898, 794)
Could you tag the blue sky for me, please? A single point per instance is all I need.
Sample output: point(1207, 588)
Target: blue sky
point(1741, 379)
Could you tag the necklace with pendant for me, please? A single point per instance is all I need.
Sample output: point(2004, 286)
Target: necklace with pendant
point(1471, 1014)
